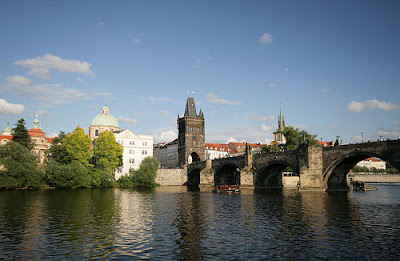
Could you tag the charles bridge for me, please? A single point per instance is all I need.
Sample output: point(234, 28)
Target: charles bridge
point(318, 168)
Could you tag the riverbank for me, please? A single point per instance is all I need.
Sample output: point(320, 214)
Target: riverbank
point(375, 178)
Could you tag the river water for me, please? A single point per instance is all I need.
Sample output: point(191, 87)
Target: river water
point(174, 223)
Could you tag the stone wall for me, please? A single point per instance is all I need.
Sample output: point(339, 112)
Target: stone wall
point(171, 177)
point(384, 178)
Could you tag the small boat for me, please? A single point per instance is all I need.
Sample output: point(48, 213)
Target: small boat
point(225, 188)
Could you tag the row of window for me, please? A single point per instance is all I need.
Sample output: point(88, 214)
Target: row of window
point(131, 142)
point(191, 129)
point(144, 152)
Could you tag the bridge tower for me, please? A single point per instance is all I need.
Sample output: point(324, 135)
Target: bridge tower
point(191, 135)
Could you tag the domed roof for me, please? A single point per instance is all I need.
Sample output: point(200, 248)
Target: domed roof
point(7, 129)
point(105, 119)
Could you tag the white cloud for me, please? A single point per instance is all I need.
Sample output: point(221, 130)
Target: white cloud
point(272, 85)
point(49, 93)
point(231, 139)
point(9, 108)
point(163, 113)
point(286, 69)
point(396, 123)
point(44, 112)
point(356, 106)
point(80, 79)
point(266, 128)
point(324, 90)
point(197, 64)
point(137, 41)
point(100, 23)
point(41, 66)
point(387, 134)
point(212, 98)
point(266, 38)
point(252, 135)
point(253, 116)
point(126, 119)
point(165, 135)
point(156, 99)
point(103, 94)
point(331, 125)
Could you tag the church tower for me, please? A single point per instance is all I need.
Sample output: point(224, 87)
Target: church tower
point(191, 137)
point(279, 137)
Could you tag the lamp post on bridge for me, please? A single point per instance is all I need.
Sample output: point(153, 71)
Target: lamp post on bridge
point(362, 137)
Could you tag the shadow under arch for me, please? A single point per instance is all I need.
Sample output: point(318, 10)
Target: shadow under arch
point(227, 174)
point(335, 176)
point(193, 178)
point(270, 176)
point(195, 157)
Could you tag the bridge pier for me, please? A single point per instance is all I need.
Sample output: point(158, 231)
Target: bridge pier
point(207, 174)
point(247, 177)
point(311, 169)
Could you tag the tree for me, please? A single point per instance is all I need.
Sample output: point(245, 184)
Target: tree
point(20, 135)
point(58, 152)
point(108, 152)
point(77, 145)
point(20, 168)
point(295, 137)
point(73, 175)
point(146, 174)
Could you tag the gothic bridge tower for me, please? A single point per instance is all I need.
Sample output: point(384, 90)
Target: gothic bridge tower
point(191, 137)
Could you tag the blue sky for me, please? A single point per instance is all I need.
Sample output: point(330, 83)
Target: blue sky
point(334, 66)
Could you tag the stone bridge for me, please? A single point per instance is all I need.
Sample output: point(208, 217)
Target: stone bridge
point(323, 169)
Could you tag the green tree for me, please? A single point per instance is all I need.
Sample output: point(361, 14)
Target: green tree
point(20, 168)
point(108, 152)
point(78, 145)
point(295, 137)
point(146, 174)
point(58, 152)
point(73, 175)
point(20, 135)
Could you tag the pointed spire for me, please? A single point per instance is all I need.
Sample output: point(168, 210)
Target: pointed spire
point(201, 113)
point(190, 110)
point(281, 120)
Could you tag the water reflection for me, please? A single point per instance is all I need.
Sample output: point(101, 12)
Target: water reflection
point(182, 223)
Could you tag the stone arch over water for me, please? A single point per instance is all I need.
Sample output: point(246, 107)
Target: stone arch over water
point(228, 174)
point(335, 176)
point(270, 175)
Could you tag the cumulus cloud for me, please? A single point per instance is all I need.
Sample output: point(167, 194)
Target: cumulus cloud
point(253, 116)
point(252, 135)
point(41, 66)
point(356, 106)
point(126, 119)
point(266, 38)
point(49, 93)
point(212, 98)
point(9, 108)
point(165, 135)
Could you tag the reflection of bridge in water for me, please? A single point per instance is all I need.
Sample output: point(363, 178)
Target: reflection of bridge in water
point(318, 168)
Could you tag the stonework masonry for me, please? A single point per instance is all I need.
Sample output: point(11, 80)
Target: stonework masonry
point(171, 177)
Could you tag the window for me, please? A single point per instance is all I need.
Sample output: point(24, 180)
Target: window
point(119, 170)
point(131, 142)
point(131, 151)
point(144, 143)
point(131, 160)
point(144, 152)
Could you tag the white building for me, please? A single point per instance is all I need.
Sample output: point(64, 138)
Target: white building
point(372, 163)
point(136, 148)
point(217, 150)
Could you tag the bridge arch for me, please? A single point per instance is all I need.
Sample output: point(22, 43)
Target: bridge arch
point(194, 177)
point(227, 174)
point(335, 175)
point(270, 176)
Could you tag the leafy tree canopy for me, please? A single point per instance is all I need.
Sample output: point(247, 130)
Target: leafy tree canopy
point(20, 135)
point(295, 137)
point(146, 174)
point(108, 152)
point(20, 168)
point(58, 152)
point(78, 145)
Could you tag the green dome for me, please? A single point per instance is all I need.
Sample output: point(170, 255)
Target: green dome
point(105, 119)
point(7, 129)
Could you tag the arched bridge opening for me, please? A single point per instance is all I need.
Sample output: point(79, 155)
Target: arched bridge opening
point(228, 174)
point(271, 175)
point(194, 158)
point(194, 177)
point(336, 175)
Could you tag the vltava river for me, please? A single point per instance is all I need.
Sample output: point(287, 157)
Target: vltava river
point(172, 223)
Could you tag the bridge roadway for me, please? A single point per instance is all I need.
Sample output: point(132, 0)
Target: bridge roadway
point(321, 169)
